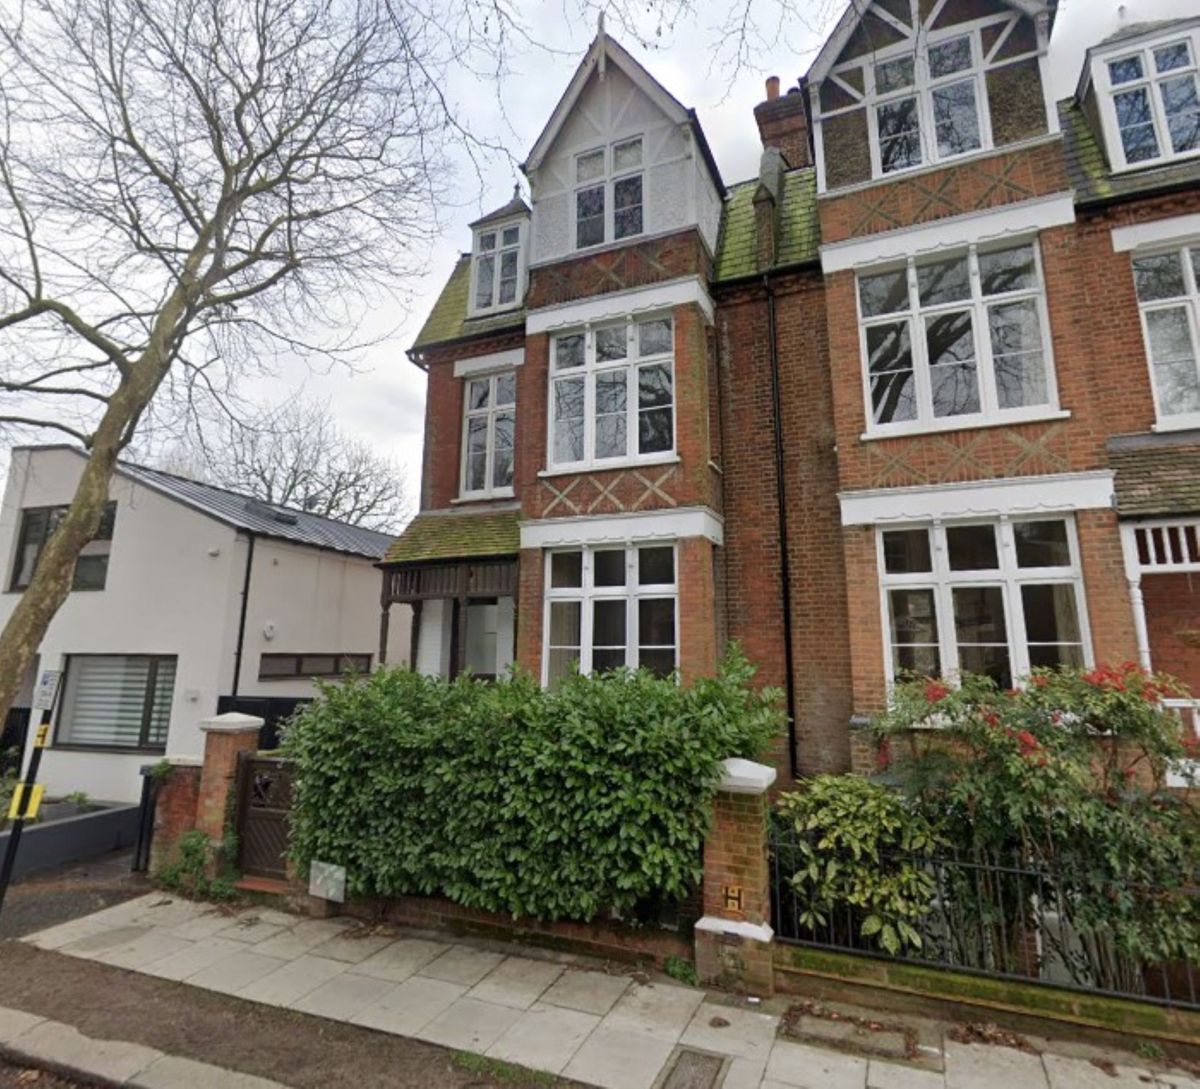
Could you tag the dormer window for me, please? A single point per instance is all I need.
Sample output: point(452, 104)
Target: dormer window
point(608, 194)
point(497, 270)
point(1153, 103)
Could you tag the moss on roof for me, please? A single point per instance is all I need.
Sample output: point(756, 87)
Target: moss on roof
point(454, 535)
point(1156, 474)
point(448, 319)
point(799, 233)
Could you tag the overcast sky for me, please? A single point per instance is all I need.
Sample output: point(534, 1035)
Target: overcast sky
point(384, 401)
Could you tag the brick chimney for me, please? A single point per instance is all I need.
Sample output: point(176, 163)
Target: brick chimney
point(782, 123)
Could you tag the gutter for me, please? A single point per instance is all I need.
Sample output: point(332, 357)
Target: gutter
point(241, 636)
point(785, 574)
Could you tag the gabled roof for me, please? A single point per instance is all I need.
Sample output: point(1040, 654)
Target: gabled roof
point(799, 231)
point(603, 51)
point(448, 321)
point(515, 207)
point(856, 10)
point(457, 535)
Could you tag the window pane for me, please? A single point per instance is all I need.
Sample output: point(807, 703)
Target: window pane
point(589, 216)
point(611, 392)
point(914, 618)
point(564, 623)
point(1016, 333)
point(512, 235)
point(608, 567)
point(566, 569)
point(950, 340)
point(1042, 544)
point(90, 571)
point(568, 351)
point(890, 365)
point(946, 58)
point(1182, 107)
point(1176, 380)
point(476, 453)
point(487, 241)
point(654, 337)
point(485, 270)
point(107, 523)
point(568, 419)
point(656, 566)
point(589, 166)
point(906, 551)
point(657, 660)
point(508, 276)
point(318, 665)
point(477, 394)
point(987, 661)
point(104, 700)
point(899, 135)
point(885, 293)
point(893, 75)
point(1050, 655)
point(502, 455)
point(1137, 125)
point(1001, 271)
point(923, 660)
point(956, 118)
point(506, 388)
point(1159, 277)
point(1170, 57)
point(656, 622)
point(561, 662)
point(1050, 614)
point(982, 633)
point(972, 548)
point(627, 206)
point(655, 415)
point(1125, 70)
point(278, 665)
point(611, 343)
point(608, 627)
point(944, 282)
point(627, 155)
point(35, 528)
point(160, 703)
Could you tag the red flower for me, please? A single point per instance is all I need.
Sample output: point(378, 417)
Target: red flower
point(935, 691)
point(1028, 742)
point(1012, 693)
point(1040, 680)
point(991, 718)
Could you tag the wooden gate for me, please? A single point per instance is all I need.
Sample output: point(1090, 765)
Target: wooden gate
point(264, 798)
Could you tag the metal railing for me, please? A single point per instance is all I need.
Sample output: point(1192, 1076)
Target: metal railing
point(984, 915)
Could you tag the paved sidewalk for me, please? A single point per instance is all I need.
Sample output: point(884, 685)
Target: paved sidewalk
point(552, 1013)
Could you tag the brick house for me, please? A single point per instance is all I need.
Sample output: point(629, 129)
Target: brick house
point(923, 395)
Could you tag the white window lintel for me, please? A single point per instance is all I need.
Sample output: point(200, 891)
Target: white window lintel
point(1139, 236)
point(618, 305)
point(662, 525)
point(486, 364)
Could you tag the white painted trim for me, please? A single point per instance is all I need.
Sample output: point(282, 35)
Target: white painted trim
point(746, 777)
point(1056, 492)
point(952, 233)
point(672, 524)
point(232, 722)
point(493, 361)
point(1176, 229)
point(755, 932)
point(598, 308)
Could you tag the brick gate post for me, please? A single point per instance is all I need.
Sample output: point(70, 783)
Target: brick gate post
point(734, 938)
point(225, 737)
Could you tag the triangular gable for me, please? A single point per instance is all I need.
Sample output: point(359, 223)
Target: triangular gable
point(857, 11)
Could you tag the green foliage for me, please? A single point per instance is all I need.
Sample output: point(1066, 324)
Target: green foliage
point(589, 799)
point(77, 797)
point(684, 971)
point(188, 872)
point(499, 1070)
point(860, 845)
point(161, 770)
point(1065, 777)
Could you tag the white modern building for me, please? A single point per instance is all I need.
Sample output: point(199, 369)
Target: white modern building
point(190, 595)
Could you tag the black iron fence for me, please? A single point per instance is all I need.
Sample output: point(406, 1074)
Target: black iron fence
point(986, 915)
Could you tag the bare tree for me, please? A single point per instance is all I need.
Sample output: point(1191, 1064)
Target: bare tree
point(297, 456)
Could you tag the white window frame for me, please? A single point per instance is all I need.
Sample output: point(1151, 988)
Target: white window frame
point(1190, 303)
point(498, 229)
point(990, 412)
point(1151, 79)
point(488, 413)
point(589, 370)
point(608, 181)
point(588, 593)
point(1008, 576)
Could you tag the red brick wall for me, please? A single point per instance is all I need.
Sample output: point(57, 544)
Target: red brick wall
point(1110, 611)
point(1173, 617)
point(697, 635)
point(174, 812)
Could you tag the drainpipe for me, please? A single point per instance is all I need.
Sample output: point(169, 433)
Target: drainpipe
point(785, 575)
point(241, 639)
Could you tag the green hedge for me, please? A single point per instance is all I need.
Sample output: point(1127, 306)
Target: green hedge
point(591, 798)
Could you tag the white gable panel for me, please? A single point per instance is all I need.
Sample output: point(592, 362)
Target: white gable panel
point(551, 224)
point(666, 196)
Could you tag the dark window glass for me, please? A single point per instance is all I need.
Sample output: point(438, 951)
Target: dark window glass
point(608, 635)
point(906, 551)
point(656, 566)
point(1042, 544)
point(982, 632)
point(589, 217)
point(972, 548)
point(627, 206)
point(37, 526)
point(566, 569)
point(890, 363)
point(609, 567)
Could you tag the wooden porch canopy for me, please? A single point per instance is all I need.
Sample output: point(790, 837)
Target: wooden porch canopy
point(461, 579)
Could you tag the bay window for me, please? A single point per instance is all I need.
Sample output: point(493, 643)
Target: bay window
point(1168, 291)
point(1154, 102)
point(608, 608)
point(992, 598)
point(957, 339)
point(115, 701)
point(609, 193)
point(612, 393)
point(489, 422)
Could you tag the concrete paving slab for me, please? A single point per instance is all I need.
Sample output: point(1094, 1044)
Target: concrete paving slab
point(744, 1074)
point(144, 950)
point(545, 1037)
point(249, 930)
point(127, 911)
point(729, 1031)
point(173, 1072)
point(204, 925)
point(813, 1068)
point(14, 1023)
point(588, 992)
point(462, 964)
point(55, 937)
point(979, 1066)
point(516, 981)
point(410, 1006)
point(195, 958)
point(614, 1059)
point(1068, 1073)
point(885, 1075)
point(469, 1025)
point(55, 1044)
point(292, 980)
point(167, 911)
point(301, 937)
point(654, 1009)
point(271, 917)
point(235, 972)
point(93, 945)
point(401, 959)
point(343, 996)
point(351, 948)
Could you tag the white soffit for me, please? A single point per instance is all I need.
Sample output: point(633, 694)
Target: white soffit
point(622, 304)
point(1143, 235)
point(1059, 492)
point(493, 361)
point(658, 525)
point(974, 227)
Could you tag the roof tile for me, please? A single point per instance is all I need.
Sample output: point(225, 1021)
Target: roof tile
point(455, 535)
point(1157, 474)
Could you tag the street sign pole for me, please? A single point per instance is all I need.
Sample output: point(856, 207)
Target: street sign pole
point(28, 794)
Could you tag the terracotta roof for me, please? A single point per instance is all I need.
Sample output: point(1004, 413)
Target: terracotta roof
point(1157, 474)
point(448, 319)
point(457, 534)
point(799, 233)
